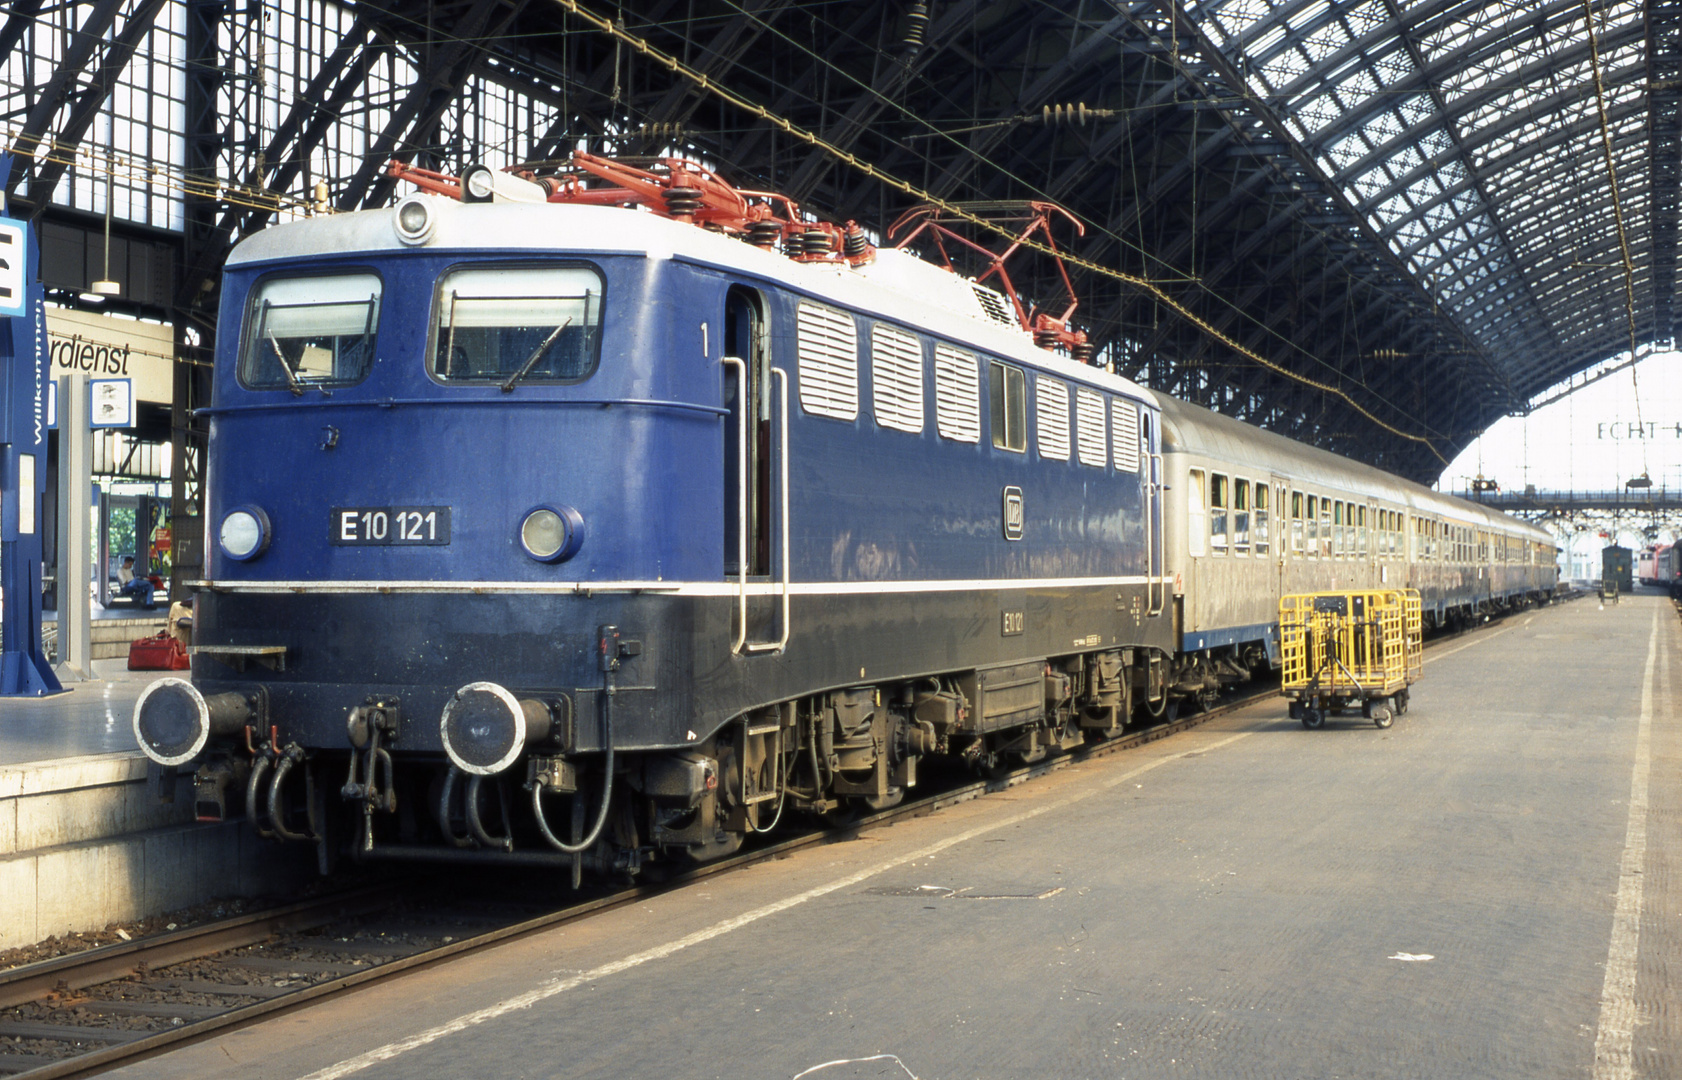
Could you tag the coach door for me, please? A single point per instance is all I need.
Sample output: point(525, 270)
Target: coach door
point(755, 475)
point(1154, 525)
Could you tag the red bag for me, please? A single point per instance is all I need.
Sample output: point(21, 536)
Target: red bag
point(160, 653)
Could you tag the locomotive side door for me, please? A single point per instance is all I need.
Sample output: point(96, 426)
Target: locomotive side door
point(751, 486)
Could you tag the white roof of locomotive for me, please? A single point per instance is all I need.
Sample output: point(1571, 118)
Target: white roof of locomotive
point(897, 286)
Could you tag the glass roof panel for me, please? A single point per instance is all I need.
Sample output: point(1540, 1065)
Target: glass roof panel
point(1469, 135)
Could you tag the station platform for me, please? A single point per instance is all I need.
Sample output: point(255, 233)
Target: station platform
point(1489, 888)
point(114, 627)
point(84, 842)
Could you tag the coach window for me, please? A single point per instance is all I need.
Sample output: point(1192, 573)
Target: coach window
point(1217, 513)
point(1326, 528)
point(1313, 519)
point(1008, 388)
point(515, 324)
point(1361, 531)
point(1337, 529)
point(1296, 523)
point(1241, 517)
point(1259, 530)
point(313, 331)
point(1196, 521)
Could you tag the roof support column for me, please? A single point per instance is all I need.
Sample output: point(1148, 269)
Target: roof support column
point(1664, 131)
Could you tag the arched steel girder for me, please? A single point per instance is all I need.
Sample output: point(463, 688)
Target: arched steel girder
point(1425, 77)
point(1550, 141)
point(1375, 44)
point(1474, 138)
point(22, 15)
point(442, 74)
point(85, 105)
point(722, 52)
point(298, 136)
point(1082, 55)
point(1664, 164)
point(889, 77)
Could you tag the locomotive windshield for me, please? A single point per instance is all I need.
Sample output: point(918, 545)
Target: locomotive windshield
point(510, 325)
point(315, 331)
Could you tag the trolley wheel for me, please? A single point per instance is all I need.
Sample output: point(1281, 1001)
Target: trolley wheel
point(1382, 717)
point(1313, 719)
point(1401, 702)
point(1296, 710)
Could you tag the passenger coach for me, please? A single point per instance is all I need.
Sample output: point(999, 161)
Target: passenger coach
point(1262, 516)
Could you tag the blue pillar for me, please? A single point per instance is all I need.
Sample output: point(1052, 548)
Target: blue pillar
point(24, 378)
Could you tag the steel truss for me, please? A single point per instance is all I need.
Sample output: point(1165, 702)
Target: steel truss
point(1373, 225)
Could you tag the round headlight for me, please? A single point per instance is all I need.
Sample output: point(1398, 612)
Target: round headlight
point(244, 533)
point(480, 183)
point(552, 533)
point(413, 220)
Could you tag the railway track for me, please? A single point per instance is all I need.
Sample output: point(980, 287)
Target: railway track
point(77, 1015)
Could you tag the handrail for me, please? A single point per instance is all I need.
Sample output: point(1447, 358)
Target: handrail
point(781, 643)
point(499, 401)
point(1156, 546)
point(743, 408)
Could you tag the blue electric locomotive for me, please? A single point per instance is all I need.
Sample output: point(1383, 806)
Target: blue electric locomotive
point(549, 531)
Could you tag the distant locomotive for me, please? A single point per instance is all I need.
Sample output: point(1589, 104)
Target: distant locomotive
point(548, 531)
point(1616, 565)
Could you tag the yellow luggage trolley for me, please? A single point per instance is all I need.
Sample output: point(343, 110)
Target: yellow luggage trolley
point(1346, 650)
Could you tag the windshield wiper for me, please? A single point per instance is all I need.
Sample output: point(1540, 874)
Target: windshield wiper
point(292, 382)
point(536, 355)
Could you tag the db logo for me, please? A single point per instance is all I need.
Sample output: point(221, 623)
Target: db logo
point(1013, 514)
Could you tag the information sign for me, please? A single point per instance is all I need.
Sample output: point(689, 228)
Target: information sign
point(110, 403)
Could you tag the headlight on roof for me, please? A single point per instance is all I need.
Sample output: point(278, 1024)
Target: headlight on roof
point(413, 219)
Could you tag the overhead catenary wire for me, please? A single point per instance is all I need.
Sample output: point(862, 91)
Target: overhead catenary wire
point(712, 86)
point(1617, 215)
point(257, 198)
point(622, 34)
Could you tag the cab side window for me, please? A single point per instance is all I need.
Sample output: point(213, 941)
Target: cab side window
point(1008, 390)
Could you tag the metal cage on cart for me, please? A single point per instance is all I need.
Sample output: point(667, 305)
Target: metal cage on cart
point(1346, 650)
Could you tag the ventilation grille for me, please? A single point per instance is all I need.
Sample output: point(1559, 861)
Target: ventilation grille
point(1089, 428)
point(896, 377)
point(1051, 406)
point(957, 394)
point(829, 362)
point(1124, 428)
point(994, 305)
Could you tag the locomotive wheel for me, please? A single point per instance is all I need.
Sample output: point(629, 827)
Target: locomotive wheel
point(1313, 719)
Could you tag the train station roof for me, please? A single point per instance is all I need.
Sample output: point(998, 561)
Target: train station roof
point(1373, 225)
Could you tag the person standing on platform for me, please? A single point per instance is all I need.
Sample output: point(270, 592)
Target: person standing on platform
point(137, 587)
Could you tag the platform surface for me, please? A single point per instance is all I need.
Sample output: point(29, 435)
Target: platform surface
point(1487, 889)
point(94, 717)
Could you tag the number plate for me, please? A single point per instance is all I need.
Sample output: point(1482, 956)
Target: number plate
point(390, 526)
